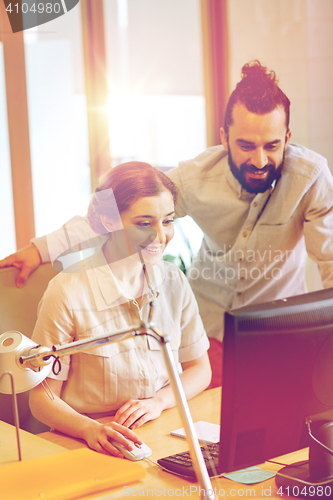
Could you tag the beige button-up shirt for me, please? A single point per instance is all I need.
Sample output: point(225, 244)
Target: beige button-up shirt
point(254, 246)
point(85, 304)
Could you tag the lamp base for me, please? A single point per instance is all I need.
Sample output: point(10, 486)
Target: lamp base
point(295, 481)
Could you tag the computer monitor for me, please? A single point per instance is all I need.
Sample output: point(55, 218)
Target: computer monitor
point(277, 375)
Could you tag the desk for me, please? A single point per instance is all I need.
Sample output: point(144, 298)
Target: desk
point(31, 446)
point(156, 435)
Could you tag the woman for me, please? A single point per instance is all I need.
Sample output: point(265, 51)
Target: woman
point(134, 206)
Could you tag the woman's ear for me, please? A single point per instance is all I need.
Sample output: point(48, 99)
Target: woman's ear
point(108, 223)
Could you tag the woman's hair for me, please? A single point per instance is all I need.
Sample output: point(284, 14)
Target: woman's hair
point(258, 91)
point(122, 186)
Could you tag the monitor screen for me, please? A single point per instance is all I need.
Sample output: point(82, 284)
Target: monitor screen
point(277, 373)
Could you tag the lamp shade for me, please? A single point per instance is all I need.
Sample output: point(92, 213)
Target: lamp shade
point(12, 345)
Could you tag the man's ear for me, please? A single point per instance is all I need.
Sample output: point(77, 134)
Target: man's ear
point(288, 136)
point(224, 138)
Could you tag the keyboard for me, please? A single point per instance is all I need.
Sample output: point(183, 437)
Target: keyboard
point(181, 463)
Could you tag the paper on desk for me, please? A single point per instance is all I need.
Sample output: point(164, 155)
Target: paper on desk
point(206, 432)
point(251, 475)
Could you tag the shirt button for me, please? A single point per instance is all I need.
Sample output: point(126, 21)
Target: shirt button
point(242, 278)
point(255, 204)
point(239, 293)
point(245, 234)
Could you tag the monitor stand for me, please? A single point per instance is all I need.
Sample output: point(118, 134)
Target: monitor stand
point(312, 478)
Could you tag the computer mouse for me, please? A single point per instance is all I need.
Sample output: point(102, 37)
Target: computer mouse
point(139, 451)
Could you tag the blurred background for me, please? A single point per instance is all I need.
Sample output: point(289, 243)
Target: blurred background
point(116, 80)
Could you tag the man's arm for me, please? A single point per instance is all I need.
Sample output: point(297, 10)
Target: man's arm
point(318, 226)
point(27, 260)
point(76, 231)
point(180, 208)
point(75, 235)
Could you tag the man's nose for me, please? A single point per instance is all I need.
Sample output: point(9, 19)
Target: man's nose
point(259, 158)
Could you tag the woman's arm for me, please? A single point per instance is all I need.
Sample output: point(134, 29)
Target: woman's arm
point(195, 378)
point(61, 417)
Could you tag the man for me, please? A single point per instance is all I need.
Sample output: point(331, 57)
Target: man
point(261, 202)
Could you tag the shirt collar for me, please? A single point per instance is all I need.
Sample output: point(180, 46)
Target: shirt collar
point(105, 288)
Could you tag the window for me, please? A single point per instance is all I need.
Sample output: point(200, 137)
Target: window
point(57, 121)
point(7, 225)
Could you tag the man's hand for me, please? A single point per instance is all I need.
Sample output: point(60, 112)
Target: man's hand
point(137, 412)
point(27, 260)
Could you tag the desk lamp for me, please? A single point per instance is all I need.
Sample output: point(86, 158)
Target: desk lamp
point(28, 364)
point(14, 378)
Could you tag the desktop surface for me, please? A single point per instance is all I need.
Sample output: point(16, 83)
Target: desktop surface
point(159, 483)
point(32, 446)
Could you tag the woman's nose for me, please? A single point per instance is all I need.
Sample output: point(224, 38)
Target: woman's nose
point(161, 238)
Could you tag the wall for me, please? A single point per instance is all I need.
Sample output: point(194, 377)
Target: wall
point(295, 38)
point(320, 76)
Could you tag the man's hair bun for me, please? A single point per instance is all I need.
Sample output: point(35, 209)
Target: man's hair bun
point(258, 91)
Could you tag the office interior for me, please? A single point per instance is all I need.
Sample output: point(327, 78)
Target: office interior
point(115, 80)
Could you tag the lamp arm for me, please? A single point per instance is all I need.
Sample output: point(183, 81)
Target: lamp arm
point(200, 469)
point(40, 355)
point(84, 345)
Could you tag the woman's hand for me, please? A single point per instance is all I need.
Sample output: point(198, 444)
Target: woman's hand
point(195, 378)
point(59, 415)
point(137, 412)
point(27, 260)
point(97, 437)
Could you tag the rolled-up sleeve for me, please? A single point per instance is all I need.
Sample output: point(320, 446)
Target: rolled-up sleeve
point(194, 342)
point(55, 323)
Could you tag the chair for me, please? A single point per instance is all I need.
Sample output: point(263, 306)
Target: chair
point(18, 311)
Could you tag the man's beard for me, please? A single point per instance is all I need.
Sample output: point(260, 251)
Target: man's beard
point(255, 185)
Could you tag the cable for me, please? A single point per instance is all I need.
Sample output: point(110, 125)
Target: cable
point(56, 363)
point(308, 422)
